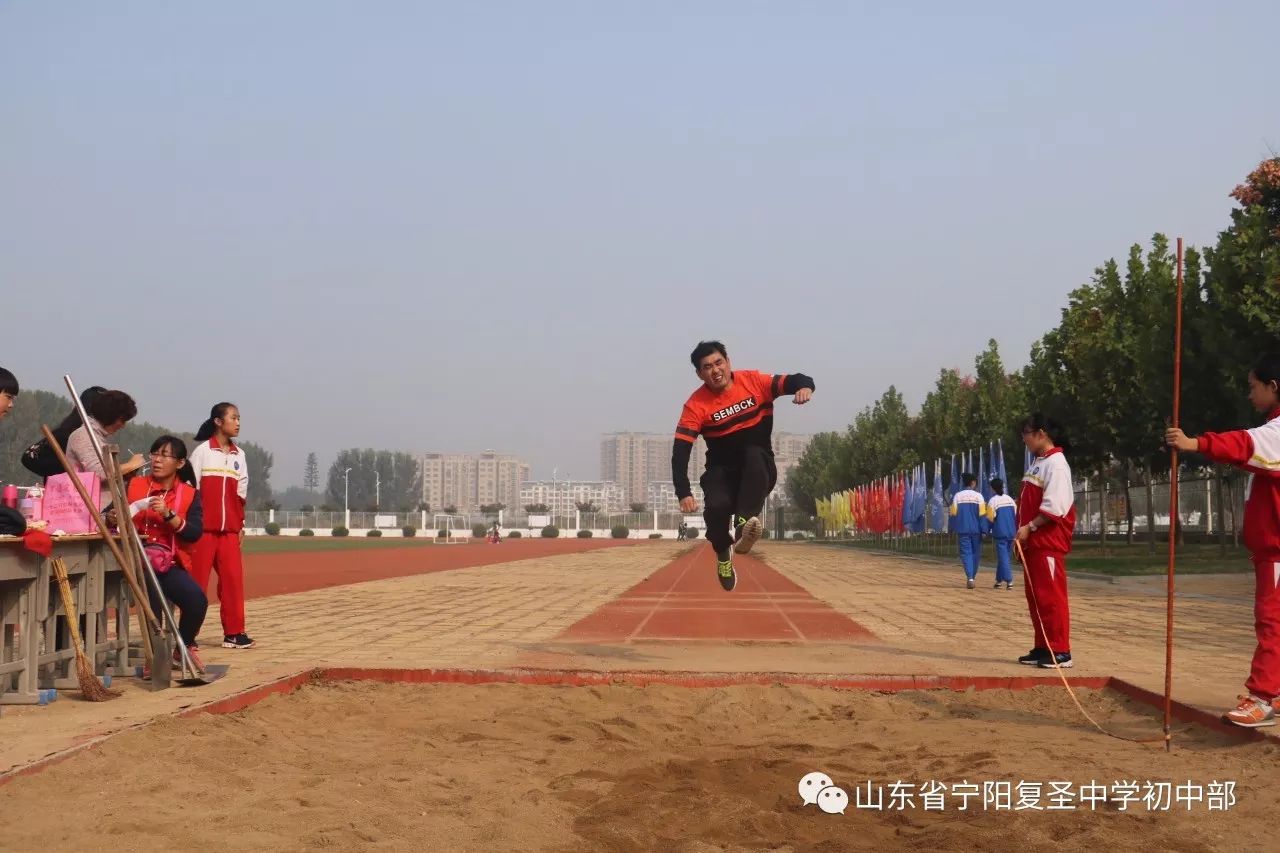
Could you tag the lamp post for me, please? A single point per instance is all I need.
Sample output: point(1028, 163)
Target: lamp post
point(346, 504)
point(377, 491)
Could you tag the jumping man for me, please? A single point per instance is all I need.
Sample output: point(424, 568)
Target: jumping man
point(733, 412)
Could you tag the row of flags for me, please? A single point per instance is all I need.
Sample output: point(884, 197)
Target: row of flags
point(912, 501)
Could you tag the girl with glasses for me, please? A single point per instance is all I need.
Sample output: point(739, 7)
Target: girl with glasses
point(170, 518)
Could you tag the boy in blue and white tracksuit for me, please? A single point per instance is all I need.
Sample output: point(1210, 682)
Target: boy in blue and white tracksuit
point(968, 510)
point(1002, 518)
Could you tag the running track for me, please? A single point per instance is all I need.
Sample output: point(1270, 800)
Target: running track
point(299, 571)
point(684, 601)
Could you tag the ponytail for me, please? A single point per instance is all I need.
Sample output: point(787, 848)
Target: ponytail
point(209, 427)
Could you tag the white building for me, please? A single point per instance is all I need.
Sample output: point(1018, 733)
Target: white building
point(471, 480)
point(563, 496)
point(661, 496)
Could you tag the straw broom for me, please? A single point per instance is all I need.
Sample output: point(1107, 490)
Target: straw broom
point(90, 687)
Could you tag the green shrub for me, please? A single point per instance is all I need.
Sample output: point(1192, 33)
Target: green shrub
point(272, 528)
point(514, 534)
point(409, 531)
point(340, 531)
point(655, 535)
point(374, 534)
point(584, 534)
point(619, 531)
point(479, 530)
point(306, 531)
point(442, 533)
point(799, 534)
point(550, 531)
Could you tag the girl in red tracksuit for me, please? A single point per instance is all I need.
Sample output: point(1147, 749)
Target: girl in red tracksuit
point(223, 478)
point(1258, 452)
point(1046, 524)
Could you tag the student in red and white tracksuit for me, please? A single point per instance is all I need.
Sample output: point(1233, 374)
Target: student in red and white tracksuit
point(223, 479)
point(1258, 452)
point(1046, 523)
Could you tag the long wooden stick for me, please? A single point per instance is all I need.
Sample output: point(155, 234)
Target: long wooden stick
point(144, 608)
point(1173, 511)
point(131, 550)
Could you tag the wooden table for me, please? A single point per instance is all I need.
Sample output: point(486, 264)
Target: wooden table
point(35, 638)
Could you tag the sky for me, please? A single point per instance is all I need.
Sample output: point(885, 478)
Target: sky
point(455, 227)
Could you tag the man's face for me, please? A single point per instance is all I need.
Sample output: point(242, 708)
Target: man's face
point(715, 372)
point(6, 403)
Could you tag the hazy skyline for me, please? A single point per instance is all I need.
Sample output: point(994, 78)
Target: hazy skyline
point(423, 226)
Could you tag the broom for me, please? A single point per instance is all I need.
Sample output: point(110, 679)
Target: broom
point(90, 687)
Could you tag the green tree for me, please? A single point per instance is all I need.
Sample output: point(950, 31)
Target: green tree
point(820, 471)
point(378, 478)
point(311, 473)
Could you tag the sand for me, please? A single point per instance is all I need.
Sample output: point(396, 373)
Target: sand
point(504, 767)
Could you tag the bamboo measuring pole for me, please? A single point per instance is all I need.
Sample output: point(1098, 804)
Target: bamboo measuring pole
point(1173, 510)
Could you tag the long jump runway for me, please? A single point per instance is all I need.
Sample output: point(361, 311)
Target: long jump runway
point(683, 601)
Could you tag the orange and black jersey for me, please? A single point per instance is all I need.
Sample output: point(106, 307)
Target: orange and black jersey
point(738, 417)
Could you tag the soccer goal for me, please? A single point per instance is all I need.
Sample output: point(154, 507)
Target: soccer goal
point(455, 529)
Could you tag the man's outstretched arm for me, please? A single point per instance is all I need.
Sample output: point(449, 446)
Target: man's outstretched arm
point(795, 384)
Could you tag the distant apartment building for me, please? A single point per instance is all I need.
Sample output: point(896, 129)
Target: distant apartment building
point(471, 480)
point(640, 462)
point(661, 496)
point(563, 496)
point(788, 449)
point(633, 460)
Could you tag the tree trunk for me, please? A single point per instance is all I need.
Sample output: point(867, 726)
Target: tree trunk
point(1128, 502)
point(1235, 519)
point(1222, 512)
point(1177, 510)
point(1102, 512)
point(1151, 510)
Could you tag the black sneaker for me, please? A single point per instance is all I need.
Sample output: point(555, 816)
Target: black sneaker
point(237, 641)
point(1034, 657)
point(724, 570)
point(1061, 660)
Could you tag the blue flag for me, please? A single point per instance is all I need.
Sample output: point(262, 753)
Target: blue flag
point(939, 506)
point(984, 473)
point(1004, 475)
point(919, 504)
point(953, 485)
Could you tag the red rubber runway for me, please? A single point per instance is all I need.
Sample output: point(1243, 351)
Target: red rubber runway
point(684, 601)
point(299, 571)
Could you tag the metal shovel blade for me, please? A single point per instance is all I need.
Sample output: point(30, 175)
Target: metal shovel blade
point(212, 672)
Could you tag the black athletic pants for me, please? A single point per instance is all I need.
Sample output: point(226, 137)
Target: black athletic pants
point(182, 590)
point(729, 491)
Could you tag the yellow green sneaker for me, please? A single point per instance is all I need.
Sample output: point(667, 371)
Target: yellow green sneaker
point(724, 571)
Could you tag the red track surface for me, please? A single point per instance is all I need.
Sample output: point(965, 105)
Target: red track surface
point(684, 601)
point(298, 571)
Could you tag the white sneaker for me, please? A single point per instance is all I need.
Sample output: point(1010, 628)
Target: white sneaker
point(751, 531)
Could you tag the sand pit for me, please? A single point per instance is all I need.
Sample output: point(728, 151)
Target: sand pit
point(508, 767)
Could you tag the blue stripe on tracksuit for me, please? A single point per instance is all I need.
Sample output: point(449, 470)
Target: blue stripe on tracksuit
point(967, 512)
